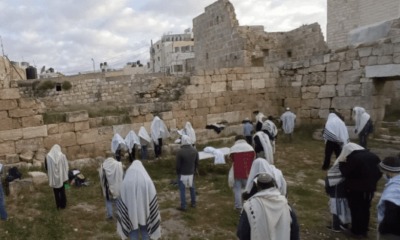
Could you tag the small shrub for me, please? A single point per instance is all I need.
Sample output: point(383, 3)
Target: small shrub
point(53, 117)
point(66, 85)
point(46, 85)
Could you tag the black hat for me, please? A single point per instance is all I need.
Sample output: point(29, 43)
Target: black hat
point(390, 164)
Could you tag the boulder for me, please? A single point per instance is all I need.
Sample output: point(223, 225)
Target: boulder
point(26, 156)
point(18, 187)
point(38, 177)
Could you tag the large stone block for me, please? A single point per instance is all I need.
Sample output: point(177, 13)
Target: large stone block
point(9, 93)
point(32, 144)
point(308, 95)
point(87, 136)
point(344, 66)
point(317, 68)
point(52, 129)
point(3, 114)
point(257, 83)
point(353, 90)
point(34, 132)
point(348, 77)
point(365, 52)
point(17, 113)
point(327, 91)
point(345, 102)
point(389, 70)
point(312, 103)
point(317, 78)
point(32, 121)
point(331, 78)
point(18, 187)
point(238, 85)
point(6, 124)
point(218, 87)
point(192, 89)
point(50, 140)
point(66, 127)
point(68, 139)
point(77, 116)
point(8, 104)
point(7, 148)
point(26, 156)
point(325, 103)
point(232, 117)
point(332, 66)
point(27, 103)
point(12, 158)
point(10, 135)
point(38, 178)
point(79, 126)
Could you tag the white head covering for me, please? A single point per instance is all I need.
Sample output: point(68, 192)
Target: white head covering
point(347, 150)
point(260, 165)
point(335, 130)
point(117, 141)
point(185, 140)
point(144, 135)
point(138, 204)
point(360, 117)
point(267, 146)
point(57, 167)
point(288, 119)
point(131, 139)
point(111, 174)
point(158, 129)
point(260, 117)
point(190, 132)
point(270, 127)
point(241, 146)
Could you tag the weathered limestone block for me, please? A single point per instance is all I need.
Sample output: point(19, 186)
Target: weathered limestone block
point(166, 116)
point(10, 135)
point(17, 113)
point(382, 70)
point(77, 116)
point(7, 148)
point(293, 102)
point(218, 87)
point(356, 64)
point(325, 103)
point(304, 113)
point(327, 58)
point(38, 178)
point(66, 127)
point(87, 136)
point(327, 91)
point(316, 60)
point(133, 112)
point(317, 78)
point(202, 111)
point(73, 152)
point(372, 60)
point(257, 83)
point(312, 103)
point(314, 113)
point(8, 104)
point(365, 52)
point(32, 121)
point(52, 129)
point(34, 132)
point(317, 68)
point(344, 66)
point(332, 66)
point(308, 95)
point(323, 113)
point(32, 144)
point(28, 103)
point(347, 77)
point(40, 154)
point(331, 78)
point(87, 150)
point(50, 140)
point(345, 102)
point(232, 117)
point(396, 58)
point(340, 89)
point(12, 158)
point(311, 89)
point(197, 80)
point(231, 77)
point(353, 90)
point(192, 89)
point(79, 126)
point(238, 85)
point(83, 163)
point(193, 103)
point(26, 156)
point(68, 139)
point(9, 93)
point(3, 114)
point(18, 187)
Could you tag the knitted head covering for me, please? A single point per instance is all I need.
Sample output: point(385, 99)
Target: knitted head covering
point(390, 164)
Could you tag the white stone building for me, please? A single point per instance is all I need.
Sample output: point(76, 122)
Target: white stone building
point(347, 15)
point(172, 54)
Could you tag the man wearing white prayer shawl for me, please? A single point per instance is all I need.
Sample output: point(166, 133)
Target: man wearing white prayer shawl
point(111, 174)
point(189, 131)
point(242, 155)
point(137, 205)
point(57, 168)
point(144, 140)
point(117, 144)
point(187, 161)
point(260, 165)
point(363, 125)
point(271, 130)
point(263, 146)
point(335, 135)
point(131, 141)
point(288, 122)
point(267, 215)
point(260, 117)
point(159, 131)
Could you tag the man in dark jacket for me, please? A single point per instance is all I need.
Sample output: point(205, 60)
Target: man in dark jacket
point(360, 168)
point(187, 160)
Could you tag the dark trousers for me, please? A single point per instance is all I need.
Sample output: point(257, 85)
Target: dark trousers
point(330, 147)
point(61, 198)
point(359, 204)
point(249, 140)
point(158, 148)
point(132, 154)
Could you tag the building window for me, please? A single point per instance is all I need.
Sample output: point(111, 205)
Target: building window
point(178, 68)
point(289, 53)
point(176, 49)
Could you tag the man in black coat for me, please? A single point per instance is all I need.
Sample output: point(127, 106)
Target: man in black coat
point(360, 168)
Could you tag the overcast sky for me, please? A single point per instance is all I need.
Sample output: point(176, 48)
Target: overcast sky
point(68, 34)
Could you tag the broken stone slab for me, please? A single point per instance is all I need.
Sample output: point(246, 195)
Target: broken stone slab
point(38, 177)
point(18, 186)
point(40, 154)
point(12, 158)
point(26, 156)
point(77, 116)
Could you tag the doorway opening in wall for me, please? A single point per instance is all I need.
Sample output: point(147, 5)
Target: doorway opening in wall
point(58, 87)
point(289, 53)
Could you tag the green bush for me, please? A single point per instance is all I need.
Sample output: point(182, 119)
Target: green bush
point(66, 85)
point(46, 85)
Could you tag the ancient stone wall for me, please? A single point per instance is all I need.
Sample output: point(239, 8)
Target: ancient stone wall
point(345, 15)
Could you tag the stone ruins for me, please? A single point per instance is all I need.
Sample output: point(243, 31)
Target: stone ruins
point(239, 69)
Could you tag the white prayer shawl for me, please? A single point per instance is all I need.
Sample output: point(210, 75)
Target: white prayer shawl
point(347, 150)
point(111, 174)
point(138, 204)
point(188, 130)
point(131, 139)
point(270, 127)
point(288, 119)
point(268, 213)
point(267, 146)
point(144, 135)
point(158, 130)
point(260, 165)
point(361, 118)
point(57, 167)
point(335, 130)
point(219, 157)
point(241, 146)
point(187, 180)
point(117, 141)
point(260, 117)
point(186, 140)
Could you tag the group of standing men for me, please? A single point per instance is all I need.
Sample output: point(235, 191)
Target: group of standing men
point(266, 213)
point(352, 180)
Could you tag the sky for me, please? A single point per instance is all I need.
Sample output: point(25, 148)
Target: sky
point(75, 36)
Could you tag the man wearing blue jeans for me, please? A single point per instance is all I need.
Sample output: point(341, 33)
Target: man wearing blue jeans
point(3, 212)
point(187, 160)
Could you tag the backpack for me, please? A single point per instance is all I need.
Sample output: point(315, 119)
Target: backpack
point(13, 173)
point(76, 178)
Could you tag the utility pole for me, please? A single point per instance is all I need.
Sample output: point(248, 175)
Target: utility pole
point(94, 68)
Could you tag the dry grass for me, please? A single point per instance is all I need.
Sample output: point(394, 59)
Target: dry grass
point(33, 214)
